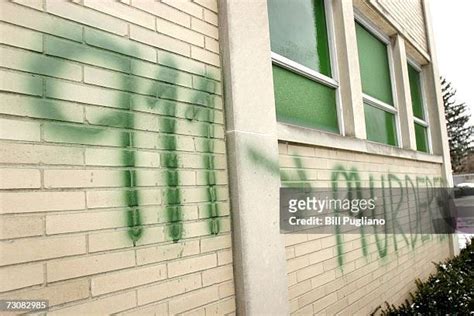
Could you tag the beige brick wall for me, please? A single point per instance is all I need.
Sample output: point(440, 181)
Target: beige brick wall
point(114, 189)
point(409, 17)
point(327, 275)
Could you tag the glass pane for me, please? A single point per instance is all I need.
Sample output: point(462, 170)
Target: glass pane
point(415, 91)
point(303, 102)
point(380, 125)
point(298, 32)
point(421, 134)
point(374, 68)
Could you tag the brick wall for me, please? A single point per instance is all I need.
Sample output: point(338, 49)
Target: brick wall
point(328, 275)
point(409, 18)
point(113, 170)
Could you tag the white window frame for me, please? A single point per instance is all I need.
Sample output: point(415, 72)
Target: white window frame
point(315, 76)
point(425, 123)
point(371, 28)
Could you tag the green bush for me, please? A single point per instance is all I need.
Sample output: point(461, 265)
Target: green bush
point(449, 291)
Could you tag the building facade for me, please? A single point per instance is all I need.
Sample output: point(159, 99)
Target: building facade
point(144, 143)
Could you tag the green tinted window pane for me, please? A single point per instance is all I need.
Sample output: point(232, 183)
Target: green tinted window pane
point(421, 134)
point(298, 32)
point(380, 125)
point(415, 91)
point(374, 67)
point(303, 102)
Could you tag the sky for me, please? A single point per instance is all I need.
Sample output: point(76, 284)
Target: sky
point(453, 26)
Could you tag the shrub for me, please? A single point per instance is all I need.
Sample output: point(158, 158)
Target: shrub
point(449, 291)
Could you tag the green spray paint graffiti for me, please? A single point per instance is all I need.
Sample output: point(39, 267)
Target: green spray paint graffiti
point(399, 193)
point(164, 92)
point(351, 182)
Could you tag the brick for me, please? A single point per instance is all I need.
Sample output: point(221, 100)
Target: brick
point(205, 56)
point(115, 198)
point(20, 37)
point(84, 135)
point(179, 32)
point(151, 310)
point(158, 40)
point(119, 45)
point(154, 141)
point(167, 252)
point(309, 272)
point(205, 28)
point(307, 247)
point(158, 178)
point(120, 238)
point(297, 263)
point(41, 248)
point(21, 83)
point(127, 279)
point(212, 45)
point(226, 289)
point(88, 55)
point(215, 243)
point(39, 21)
point(161, 73)
point(20, 178)
point(76, 222)
point(168, 288)
point(108, 198)
point(58, 293)
point(194, 299)
point(40, 154)
point(217, 275)
point(20, 276)
point(34, 4)
point(19, 130)
point(20, 226)
point(39, 64)
point(76, 267)
point(209, 4)
point(223, 307)
point(86, 94)
point(86, 16)
point(186, 6)
point(123, 12)
point(182, 63)
point(115, 157)
point(211, 17)
point(163, 11)
point(190, 265)
point(20, 202)
point(211, 86)
point(38, 108)
point(88, 178)
point(213, 73)
point(108, 117)
point(107, 305)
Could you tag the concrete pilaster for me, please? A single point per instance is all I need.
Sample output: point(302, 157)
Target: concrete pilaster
point(349, 71)
point(402, 80)
point(259, 258)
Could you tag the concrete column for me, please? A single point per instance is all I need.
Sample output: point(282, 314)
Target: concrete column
point(252, 146)
point(349, 70)
point(439, 134)
point(405, 109)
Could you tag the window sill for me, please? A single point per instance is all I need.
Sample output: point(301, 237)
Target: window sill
point(297, 134)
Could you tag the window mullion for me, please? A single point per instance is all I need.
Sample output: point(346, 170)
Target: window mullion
point(303, 70)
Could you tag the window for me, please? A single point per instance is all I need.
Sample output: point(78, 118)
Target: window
point(419, 115)
point(305, 91)
point(380, 112)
